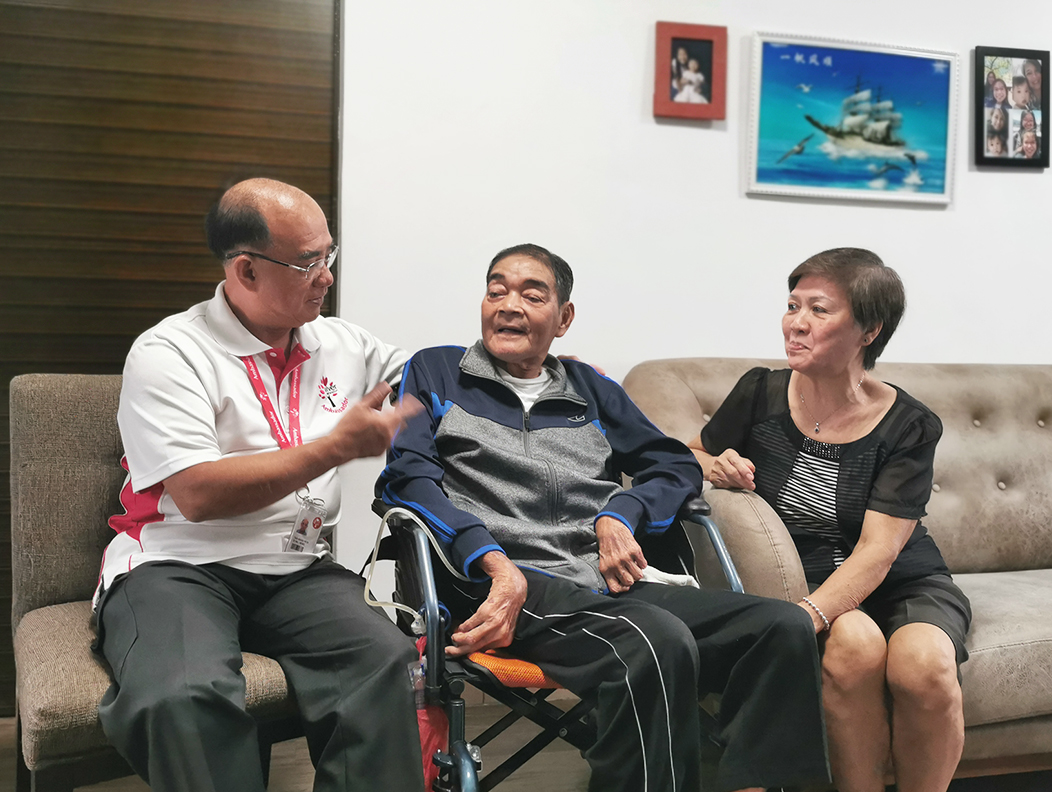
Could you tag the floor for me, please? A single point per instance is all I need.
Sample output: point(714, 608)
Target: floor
point(559, 768)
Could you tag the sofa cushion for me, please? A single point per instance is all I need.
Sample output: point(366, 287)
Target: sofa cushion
point(1009, 670)
point(61, 681)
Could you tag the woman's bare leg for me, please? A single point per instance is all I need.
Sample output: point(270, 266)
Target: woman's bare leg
point(927, 708)
point(853, 692)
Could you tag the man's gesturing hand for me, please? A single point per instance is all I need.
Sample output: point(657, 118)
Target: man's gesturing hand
point(493, 624)
point(621, 560)
point(367, 429)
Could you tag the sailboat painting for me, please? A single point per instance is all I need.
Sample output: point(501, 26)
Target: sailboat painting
point(845, 120)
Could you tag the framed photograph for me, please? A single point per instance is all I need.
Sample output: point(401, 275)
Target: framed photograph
point(846, 120)
point(690, 71)
point(1011, 120)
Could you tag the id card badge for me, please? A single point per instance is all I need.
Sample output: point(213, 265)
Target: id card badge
point(308, 525)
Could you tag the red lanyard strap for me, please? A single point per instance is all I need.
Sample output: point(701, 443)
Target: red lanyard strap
point(293, 437)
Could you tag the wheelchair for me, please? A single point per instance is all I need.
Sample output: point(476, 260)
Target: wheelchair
point(519, 685)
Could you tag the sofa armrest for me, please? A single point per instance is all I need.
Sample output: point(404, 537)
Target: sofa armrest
point(763, 551)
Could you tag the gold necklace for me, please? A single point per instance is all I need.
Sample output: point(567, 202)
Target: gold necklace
point(818, 423)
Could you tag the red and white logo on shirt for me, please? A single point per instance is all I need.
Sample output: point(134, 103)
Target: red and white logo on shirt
point(331, 401)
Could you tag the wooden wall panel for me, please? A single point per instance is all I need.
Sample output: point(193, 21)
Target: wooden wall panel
point(48, 81)
point(120, 122)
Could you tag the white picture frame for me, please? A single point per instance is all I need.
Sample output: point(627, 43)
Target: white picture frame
point(836, 119)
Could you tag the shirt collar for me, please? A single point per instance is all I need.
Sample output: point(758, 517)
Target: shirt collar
point(235, 338)
point(480, 363)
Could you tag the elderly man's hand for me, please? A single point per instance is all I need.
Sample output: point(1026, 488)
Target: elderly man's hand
point(493, 625)
point(621, 560)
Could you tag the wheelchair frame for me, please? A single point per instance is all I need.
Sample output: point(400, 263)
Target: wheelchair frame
point(444, 677)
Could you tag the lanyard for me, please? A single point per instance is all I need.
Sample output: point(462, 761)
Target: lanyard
point(293, 437)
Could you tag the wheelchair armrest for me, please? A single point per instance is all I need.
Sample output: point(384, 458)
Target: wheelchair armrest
point(435, 650)
point(697, 510)
point(696, 505)
point(422, 568)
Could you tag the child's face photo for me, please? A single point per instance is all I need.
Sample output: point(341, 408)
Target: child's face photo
point(995, 146)
point(1021, 94)
point(693, 65)
point(1029, 145)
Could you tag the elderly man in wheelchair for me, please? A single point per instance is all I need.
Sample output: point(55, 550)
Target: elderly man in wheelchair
point(516, 466)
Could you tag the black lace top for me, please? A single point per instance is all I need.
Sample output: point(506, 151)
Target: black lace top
point(821, 490)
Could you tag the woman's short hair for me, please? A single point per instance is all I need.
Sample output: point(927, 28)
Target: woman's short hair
point(560, 269)
point(874, 291)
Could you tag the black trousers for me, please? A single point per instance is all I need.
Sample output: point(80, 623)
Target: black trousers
point(173, 635)
point(651, 653)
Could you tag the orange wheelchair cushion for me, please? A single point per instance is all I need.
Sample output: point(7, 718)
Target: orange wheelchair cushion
point(512, 672)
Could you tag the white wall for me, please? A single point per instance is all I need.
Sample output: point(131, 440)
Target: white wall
point(473, 125)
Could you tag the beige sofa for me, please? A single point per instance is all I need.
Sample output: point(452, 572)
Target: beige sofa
point(990, 513)
point(65, 481)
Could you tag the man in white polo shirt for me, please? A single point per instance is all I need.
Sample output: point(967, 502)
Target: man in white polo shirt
point(235, 415)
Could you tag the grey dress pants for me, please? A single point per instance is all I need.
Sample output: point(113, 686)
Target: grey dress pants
point(173, 634)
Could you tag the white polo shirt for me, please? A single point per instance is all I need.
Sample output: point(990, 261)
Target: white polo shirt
point(187, 399)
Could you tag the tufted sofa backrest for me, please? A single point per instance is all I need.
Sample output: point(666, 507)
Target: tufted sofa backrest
point(991, 502)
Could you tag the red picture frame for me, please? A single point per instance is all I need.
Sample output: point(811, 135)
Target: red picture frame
point(690, 71)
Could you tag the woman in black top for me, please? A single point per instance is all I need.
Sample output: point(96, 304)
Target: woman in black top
point(846, 462)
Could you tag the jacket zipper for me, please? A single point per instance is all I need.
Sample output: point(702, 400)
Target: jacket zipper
point(553, 490)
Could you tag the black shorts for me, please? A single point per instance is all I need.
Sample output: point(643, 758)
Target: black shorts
point(935, 599)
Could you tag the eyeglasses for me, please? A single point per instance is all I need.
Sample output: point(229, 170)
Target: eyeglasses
point(329, 261)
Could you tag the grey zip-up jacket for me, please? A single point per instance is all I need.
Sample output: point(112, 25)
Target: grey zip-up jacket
point(486, 475)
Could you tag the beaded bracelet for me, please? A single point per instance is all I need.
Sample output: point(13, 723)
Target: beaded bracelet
point(821, 615)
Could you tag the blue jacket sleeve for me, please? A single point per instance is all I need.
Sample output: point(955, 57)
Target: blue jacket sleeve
point(664, 472)
point(413, 476)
